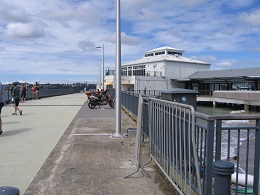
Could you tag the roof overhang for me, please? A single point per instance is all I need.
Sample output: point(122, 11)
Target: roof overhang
point(108, 83)
point(224, 79)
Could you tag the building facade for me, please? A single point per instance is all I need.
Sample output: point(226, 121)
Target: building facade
point(246, 79)
point(159, 69)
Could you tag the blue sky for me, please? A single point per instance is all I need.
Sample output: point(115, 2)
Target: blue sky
point(55, 41)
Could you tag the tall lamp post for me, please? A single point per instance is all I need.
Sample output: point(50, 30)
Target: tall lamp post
point(100, 82)
point(103, 48)
point(118, 133)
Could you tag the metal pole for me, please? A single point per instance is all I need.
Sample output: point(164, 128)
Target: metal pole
point(100, 82)
point(103, 66)
point(103, 62)
point(118, 133)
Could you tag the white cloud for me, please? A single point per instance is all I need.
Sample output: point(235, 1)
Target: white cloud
point(2, 49)
point(84, 13)
point(86, 45)
point(59, 37)
point(190, 2)
point(251, 18)
point(235, 4)
point(16, 14)
point(126, 39)
point(21, 30)
point(225, 63)
point(206, 58)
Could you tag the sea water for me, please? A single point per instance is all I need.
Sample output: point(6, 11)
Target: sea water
point(230, 123)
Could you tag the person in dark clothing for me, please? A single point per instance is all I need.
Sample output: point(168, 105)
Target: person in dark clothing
point(2, 103)
point(23, 92)
point(87, 88)
point(37, 90)
point(16, 96)
point(11, 92)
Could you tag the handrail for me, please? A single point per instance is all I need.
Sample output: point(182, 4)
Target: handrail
point(43, 93)
point(215, 139)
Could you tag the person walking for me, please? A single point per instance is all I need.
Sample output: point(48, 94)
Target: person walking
point(16, 96)
point(11, 92)
point(37, 90)
point(33, 91)
point(23, 92)
point(2, 103)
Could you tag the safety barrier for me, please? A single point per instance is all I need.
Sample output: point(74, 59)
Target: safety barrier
point(172, 143)
point(234, 138)
point(138, 139)
point(43, 93)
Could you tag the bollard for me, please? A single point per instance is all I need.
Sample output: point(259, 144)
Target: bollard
point(8, 190)
point(222, 171)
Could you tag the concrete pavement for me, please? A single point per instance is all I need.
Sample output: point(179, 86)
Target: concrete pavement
point(84, 161)
point(28, 139)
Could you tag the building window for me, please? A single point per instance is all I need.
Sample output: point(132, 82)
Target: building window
point(129, 71)
point(173, 53)
point(139, 70)
point(160, 53)
point(124, 71)
point(148, 54)
point(195, 86)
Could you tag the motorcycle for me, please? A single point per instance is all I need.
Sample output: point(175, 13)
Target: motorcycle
point(101, 98)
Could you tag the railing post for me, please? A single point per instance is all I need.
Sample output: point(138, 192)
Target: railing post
point(257, 160)
point(209, 158)
point(218, 139)
point(222, 171)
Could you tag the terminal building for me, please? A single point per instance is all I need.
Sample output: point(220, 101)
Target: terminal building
point(167, 68)
point(246, 79)
point(159, 69)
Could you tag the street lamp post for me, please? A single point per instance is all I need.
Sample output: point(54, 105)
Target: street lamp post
point(100, 82)
point(103, 48)
point(118, 133)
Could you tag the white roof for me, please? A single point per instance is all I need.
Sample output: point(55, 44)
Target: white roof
point(158, 58)
point(165, 48)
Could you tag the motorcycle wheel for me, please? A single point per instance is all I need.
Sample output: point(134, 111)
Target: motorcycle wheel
point(91, 105)
point(112, 104)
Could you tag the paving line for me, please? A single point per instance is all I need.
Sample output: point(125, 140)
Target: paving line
point(92, 134)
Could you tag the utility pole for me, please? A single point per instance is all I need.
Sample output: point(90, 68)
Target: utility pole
point(118, 133)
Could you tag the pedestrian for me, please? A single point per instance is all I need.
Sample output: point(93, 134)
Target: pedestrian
point(16, 96)
point(33, 91)
point(144, 90)
point(37, 90)
point(87, 88)
point(11, 92)
point(2, 103)
point(23, 92)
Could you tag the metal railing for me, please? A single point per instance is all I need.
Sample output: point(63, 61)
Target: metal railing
point(234, 138)
point(172, 143)
point(43, 93)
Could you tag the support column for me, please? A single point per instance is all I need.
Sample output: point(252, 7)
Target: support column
point(246, 107)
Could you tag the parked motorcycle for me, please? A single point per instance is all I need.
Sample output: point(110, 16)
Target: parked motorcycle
point(101, 98)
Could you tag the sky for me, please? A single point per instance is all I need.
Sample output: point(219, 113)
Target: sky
point(54, 41)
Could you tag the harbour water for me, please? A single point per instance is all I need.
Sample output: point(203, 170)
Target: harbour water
point(234, 137)
point(208, 109)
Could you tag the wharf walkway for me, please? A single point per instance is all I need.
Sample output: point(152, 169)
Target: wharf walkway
point(60, 146)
